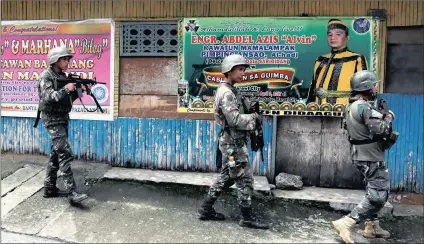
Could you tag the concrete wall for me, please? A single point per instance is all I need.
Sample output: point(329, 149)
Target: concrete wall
point(317, 150)
point(405, 60)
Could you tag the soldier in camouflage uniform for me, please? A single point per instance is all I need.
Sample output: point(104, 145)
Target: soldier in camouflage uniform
point(236, 124)
point(54, 107)
point(368, 128)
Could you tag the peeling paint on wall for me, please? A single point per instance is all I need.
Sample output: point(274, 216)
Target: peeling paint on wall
point(406, 158)
point(190, 145)
point(167, 144)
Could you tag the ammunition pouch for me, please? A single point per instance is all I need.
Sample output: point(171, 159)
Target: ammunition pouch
point(390, 140)
point(236, 168)
point(239, 142)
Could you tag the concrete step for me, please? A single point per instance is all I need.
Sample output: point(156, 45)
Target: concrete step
point(10, 237)
point(18, 177)
point(173, 177)
point(334, 198)
point(21, 193)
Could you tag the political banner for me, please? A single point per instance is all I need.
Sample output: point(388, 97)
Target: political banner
point(24, 48)
point(299, 66)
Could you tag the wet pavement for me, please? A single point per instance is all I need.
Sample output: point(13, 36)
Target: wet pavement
point(135, 212)
point(131, 212)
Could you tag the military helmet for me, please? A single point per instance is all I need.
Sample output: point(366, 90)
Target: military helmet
point(233, 60)
point(363, 80)
point(56, 53)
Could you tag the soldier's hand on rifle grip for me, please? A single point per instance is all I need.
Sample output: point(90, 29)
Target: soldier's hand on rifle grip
point(84, 87)
point(383, 106)
point(390, 115)
point(70, 86)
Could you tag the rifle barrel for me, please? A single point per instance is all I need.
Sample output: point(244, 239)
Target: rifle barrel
point(77, 80)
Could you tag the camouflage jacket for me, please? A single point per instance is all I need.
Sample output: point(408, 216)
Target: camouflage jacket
point(230, 114)
point(363, 121)
point(55, 100)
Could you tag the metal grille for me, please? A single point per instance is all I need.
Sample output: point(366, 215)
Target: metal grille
point(149, 38)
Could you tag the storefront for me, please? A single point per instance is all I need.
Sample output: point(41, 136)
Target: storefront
point(148, 131)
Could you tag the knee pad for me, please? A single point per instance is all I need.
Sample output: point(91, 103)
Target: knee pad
point(214, 192)
point(246, 193)
point(378, 197)
point(245, 201)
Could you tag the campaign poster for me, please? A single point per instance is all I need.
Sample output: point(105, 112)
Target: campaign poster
point(299, 66)
point(24, 48)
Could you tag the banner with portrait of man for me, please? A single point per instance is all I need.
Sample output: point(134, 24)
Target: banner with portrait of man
point(298, 65)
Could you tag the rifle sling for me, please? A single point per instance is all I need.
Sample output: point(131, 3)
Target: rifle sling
point(37, 118)
point(88, 91)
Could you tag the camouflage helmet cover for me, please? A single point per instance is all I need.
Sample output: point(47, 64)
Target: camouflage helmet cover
point(363, 80)
point(56, 53)
point(233, 60)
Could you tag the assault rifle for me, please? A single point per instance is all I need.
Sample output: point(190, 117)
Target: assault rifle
point(79, 82)
point(257, 136)
point(383, 106)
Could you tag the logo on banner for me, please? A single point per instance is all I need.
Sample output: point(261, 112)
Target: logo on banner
point(192, 26)
point(361, 25)
point(100, 92)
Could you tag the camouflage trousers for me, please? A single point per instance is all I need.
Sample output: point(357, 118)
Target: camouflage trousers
point(376, 177)
point(224, 181)
point(61, 157)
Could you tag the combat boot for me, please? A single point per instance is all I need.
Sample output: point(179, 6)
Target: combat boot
point(207, 212)
point(248, 220)
point(54, 192)
point(75, 197)
point(373, 230)
point(344, 227)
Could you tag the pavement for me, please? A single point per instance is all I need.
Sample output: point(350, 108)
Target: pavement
point(330, 198)
point(135, 205)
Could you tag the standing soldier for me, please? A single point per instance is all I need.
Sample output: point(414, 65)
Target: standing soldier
point(231, 115)
point(370, 134)
point(54, 107)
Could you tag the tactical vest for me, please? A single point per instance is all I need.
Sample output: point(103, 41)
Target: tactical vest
point(237, 135)
point(62, 106)
point(357, 130)
point(359, 133)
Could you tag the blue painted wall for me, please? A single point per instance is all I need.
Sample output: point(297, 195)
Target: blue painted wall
point(169, 144)
point(190, 145)
point(406, 158)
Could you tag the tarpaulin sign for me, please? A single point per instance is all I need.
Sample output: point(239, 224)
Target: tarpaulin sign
point(24, 49)
point(296, 67)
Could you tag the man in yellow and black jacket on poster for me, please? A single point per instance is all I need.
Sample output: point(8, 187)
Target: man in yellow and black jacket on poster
point(332, 71)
